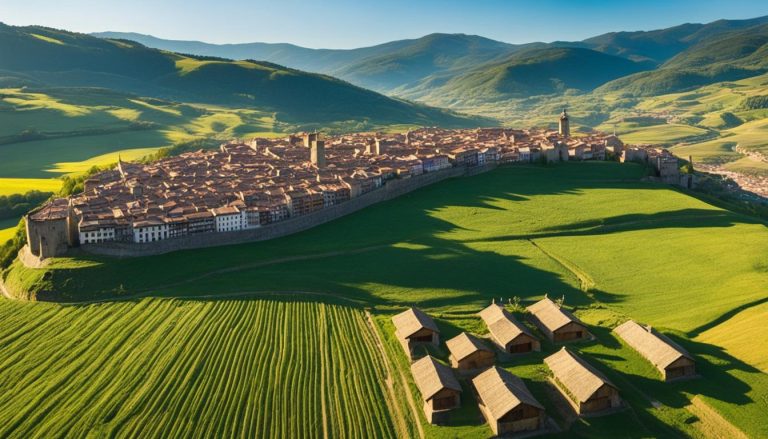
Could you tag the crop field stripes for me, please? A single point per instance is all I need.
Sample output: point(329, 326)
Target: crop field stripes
point(184, 368)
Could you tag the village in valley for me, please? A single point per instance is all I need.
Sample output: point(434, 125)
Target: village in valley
point(372, 220)
point(264, 183)
point(267, 183)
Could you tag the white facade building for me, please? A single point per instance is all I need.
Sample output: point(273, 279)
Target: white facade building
point(150, 231)
point(100, 235)
point(229, 219)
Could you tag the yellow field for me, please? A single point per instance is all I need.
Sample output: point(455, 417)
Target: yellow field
point(9, 186)
point(101, 160)
point(6, 234)
point(744, 336)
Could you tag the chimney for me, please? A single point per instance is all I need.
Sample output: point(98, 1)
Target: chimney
point(649, 328)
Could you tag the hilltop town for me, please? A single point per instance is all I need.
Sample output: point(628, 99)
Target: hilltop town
point(251, 184)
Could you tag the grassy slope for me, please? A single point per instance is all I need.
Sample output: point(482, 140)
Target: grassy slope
point(191, 368)
point(644, 251)
point(77, 60)
point(738, 334)
point(83, 127)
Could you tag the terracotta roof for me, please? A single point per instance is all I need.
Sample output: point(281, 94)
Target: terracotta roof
point(578, 377)
point(411, 321)
point(550, 315)
point(500, 392)
point(658, 351)
point(464, 345)
point(432, 377)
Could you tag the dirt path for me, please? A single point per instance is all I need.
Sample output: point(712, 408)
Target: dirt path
point(4, 292)
point(390, 383)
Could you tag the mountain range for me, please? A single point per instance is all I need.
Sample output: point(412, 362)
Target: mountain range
point(398, 82)
point(40, 57)
point(442, 69)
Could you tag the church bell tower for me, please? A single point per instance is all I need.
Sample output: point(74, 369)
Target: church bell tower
point(565, 127)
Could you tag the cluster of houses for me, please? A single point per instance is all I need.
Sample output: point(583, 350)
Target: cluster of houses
point(250, 184)
point(503, 398)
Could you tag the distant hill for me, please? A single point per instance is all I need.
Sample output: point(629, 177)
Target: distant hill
point(532, 72)
point(660, 45)
point(311, 60)
point(420, 67)
point(382, 67)
point(43, 56)
point(426, 56)
point(728, 57)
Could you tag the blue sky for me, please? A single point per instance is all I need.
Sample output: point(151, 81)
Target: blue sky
point(355, 23)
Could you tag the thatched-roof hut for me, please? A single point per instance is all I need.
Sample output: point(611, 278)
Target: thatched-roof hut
point(413, 328)
point(673, 361)
point(507, 333)
point(469, 352)
point(506, 403)
point(439, 389)
point(557, 324)
point(588, 390)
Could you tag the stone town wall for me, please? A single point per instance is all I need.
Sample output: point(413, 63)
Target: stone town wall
point(392, 189)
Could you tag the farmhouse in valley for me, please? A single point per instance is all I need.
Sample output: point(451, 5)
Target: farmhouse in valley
point(439, 389)
point(414, 328)
point(506, 403)
point(507, 333)
point(558, 324)
point(671, 360)
point(469, 353)
point(585, 388)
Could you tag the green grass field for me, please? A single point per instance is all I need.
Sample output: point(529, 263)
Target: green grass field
point(285, 367)
point(7, 229)
point(615, 247)
point(85, 127)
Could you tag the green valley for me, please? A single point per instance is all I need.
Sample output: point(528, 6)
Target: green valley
point(613, 246)
point(355, 201)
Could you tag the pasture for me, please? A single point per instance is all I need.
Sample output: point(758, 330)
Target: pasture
point(614, 247)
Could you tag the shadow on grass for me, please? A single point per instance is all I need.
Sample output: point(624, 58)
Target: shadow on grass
point(431, 271)
point(687, 218)
point(726, 316)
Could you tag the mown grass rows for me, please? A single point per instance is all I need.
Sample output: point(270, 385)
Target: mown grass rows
point(175, 368)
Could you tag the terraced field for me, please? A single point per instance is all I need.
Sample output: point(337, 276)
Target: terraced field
point(294, 367)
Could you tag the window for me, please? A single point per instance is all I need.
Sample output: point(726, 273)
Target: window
point(423, 338)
